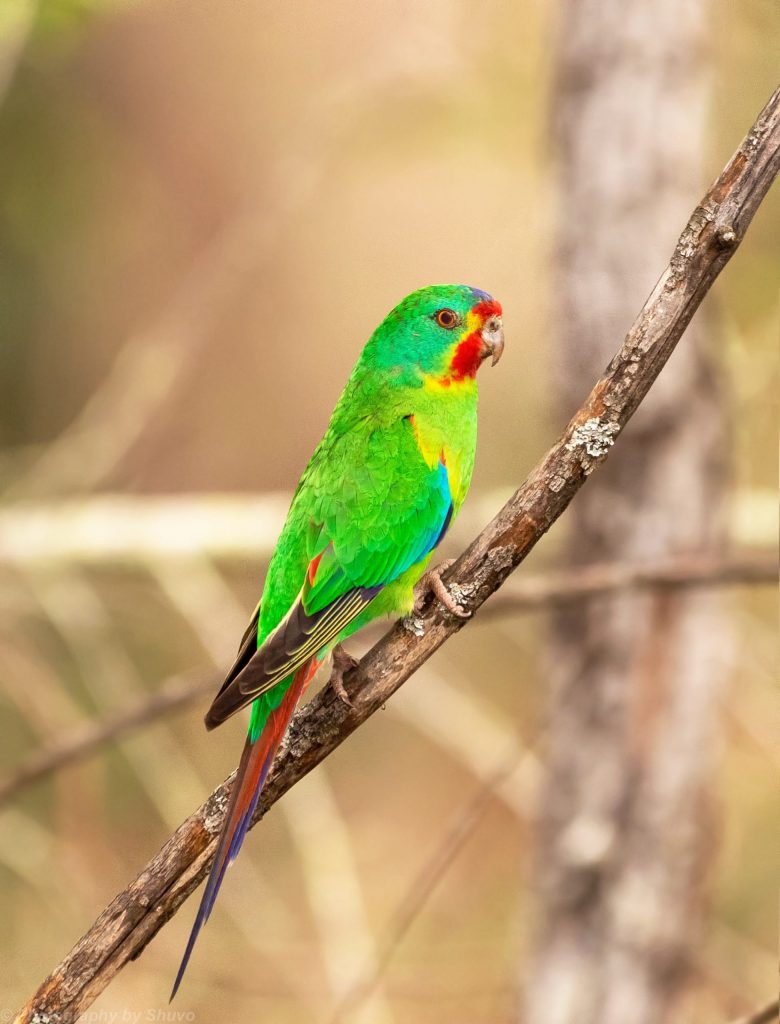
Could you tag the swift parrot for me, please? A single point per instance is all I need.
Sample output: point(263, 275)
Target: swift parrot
point(378, 495)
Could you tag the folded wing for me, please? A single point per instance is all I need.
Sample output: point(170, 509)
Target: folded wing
point(367, 527)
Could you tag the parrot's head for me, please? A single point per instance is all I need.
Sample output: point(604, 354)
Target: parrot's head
point(442, 333)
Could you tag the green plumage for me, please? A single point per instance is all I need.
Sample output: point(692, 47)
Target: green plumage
point(368, 489)
point(377, 496)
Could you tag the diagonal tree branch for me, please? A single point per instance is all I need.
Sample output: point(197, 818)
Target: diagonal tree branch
point(532, 593)
point(708, 241)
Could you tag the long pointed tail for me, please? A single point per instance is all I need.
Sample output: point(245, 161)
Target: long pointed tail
point(255, 763)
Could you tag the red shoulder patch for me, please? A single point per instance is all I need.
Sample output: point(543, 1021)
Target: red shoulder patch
point(314, 565)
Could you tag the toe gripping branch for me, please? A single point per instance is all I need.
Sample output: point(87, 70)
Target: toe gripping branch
point(431, 581)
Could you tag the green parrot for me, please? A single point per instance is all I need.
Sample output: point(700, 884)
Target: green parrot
point(378, 495)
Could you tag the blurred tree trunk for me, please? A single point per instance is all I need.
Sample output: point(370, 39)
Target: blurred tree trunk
point(625, 834)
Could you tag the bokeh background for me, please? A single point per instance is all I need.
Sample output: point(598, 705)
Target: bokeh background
point(205, 208)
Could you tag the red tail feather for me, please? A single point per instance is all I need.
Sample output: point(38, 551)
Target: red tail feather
point(255, 763)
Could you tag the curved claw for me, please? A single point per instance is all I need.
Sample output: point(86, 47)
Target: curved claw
point(343, 662)
point(432, 580)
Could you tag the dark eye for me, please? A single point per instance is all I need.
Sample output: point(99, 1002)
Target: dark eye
point(446, 318)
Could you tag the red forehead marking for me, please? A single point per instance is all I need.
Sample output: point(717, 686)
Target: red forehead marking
point(487, 309)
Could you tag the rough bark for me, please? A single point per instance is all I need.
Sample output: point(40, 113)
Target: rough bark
point(623, 841)
point(708, 241)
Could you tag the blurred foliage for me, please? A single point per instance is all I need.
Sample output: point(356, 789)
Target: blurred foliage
point(56, 20)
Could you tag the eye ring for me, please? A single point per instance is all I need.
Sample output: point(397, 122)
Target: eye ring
point(446, 318)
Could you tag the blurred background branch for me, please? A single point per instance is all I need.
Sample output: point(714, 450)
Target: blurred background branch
point(459, 830)
point(79, 743)
point(112, 530)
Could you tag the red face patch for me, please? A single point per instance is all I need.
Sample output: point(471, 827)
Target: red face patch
point(467, 357)
point(470, 352)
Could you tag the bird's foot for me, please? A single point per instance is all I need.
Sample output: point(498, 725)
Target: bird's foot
point(431, 580)
point(342, 663)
